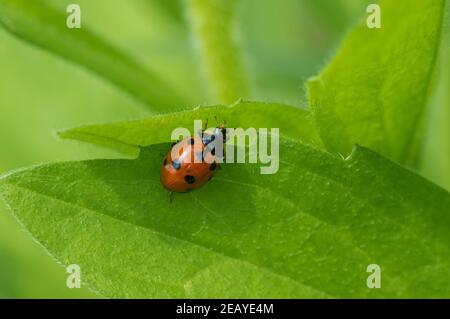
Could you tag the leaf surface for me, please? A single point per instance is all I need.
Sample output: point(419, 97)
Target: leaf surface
point(308, 231)
point(125, 137)
point(375, 91)
point(44, 26)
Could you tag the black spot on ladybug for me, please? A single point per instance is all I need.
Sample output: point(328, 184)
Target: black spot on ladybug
point(189, 179)
point(176, 164)
point(165, 161)
point(213, 166)
point(192, 141)
point(213, 151)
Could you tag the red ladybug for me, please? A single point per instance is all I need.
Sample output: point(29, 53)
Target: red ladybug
point(180, 173)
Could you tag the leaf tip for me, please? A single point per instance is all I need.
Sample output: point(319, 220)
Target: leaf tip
point(61, 133)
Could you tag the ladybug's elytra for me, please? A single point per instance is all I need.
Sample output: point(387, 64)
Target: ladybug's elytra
point(181, 173)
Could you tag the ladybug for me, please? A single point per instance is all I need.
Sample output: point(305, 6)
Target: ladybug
point(180, 172)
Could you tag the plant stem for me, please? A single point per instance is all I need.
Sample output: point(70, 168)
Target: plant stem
point(212, 25)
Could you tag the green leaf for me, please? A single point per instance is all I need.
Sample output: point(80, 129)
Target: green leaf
point(334, 15)
point(213, 27)
point(375, 90)
point(172, 9)
point(126, 137)
point(310, 230)
point(44, 26)
point(435, 162)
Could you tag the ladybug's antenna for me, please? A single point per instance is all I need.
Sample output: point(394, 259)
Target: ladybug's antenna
point(206, 124)
point(217, 122)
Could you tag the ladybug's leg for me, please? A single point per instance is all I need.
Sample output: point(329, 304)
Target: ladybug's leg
point(170, 197)
point(224, 155)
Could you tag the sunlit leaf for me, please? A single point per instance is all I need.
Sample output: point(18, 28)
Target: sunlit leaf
point(126, 137)
point(310, 230)
point(40, 24)
point(375, 91)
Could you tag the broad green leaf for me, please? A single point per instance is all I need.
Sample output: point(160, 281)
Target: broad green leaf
point(42, 25)
point(375, 90)
point(126, 137)
point(435, 160)
point(310, 230)
point(213, 27)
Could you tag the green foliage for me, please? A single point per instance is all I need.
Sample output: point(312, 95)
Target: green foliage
point(40, 24)
point(172, 8)
point(127, 137)
point(435, 161)
point(308, 231)
point(212, 24)
point(38, 93)
point(312, 233)
point(376, 89)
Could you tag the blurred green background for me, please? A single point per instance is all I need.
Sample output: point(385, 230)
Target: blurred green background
point(284, 42)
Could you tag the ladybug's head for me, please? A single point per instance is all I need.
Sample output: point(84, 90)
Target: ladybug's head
point(212, 134)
